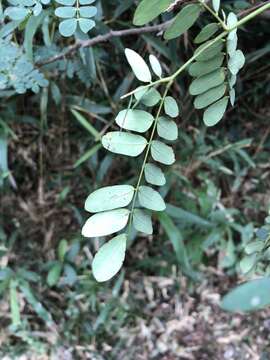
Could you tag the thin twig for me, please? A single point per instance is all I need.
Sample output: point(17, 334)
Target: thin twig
point(102, 38)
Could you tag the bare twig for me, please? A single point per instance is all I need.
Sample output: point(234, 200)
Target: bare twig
point(102, 38)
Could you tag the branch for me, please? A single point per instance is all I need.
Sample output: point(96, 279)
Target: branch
point(102, 38)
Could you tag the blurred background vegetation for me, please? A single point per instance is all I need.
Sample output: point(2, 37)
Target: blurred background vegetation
point(164, 305)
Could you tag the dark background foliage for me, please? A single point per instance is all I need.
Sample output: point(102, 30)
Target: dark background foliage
point(217, 191)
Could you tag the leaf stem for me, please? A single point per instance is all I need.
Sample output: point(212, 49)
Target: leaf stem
point(214, 14)
point(147, 151)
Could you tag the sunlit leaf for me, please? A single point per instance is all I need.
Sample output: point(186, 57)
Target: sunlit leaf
point(124, 143)
point(148, 97)
point(150, 199)
point(162, 153)
point(68, 27)
point(135, 120)
point(105, 223)
point(154, 175)
point(216, 5)
point(138, 66)
point(167, 129)
point(236, 62)
point(109, 198)
point(109, 258)
point(171, 107)
point(142, 222)
point(155, 65)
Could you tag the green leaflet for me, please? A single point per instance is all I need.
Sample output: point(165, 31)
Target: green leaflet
point(138, 66)
point(167, 129)
point(54, 274)
point(236, 62)
point(183, 21)
point(200, 68)
point(148, 97)
point(209, 96)
point(135, 120)
point(232, 45)
point(68, 27)
point(105, 223)
point(154, 175)
point(142, 222)
point(124, 143)
point(155, 65)
point(210, 52)
point(254, 246)
point(214, 113)
point(248, 263)
point(109, 198)
point(206, 82)
point(162, 153)
point(216, 5)
point(149, 10)
point(65, 11)
point(252, 295)
point(171, 107)
point(232, 96)
point(109, 258)
point(206, 33)
point(231, 22)
point(150, 199)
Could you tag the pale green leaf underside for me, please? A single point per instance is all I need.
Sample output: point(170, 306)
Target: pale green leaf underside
point(216, 5)
point(162, 153)
point(155, 65)
point(200, 68)
point(183, 21)
point(215, 112)
point(135, 120)
point(138, 66)
point(247, 263)
point(171, 107)
point(154, 175)
point(109, 198)
point(105, 223)
point(236, 62)
point(142, 222)
point(124, 143)
point(150, 199)
point(148, 97)
point(250, 296)
point(210, 96)
point(167, 129)
point(206, 82)
point(109, 259)
point(149, 10)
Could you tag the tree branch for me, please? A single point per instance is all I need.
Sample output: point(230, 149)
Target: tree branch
point(102, 38)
